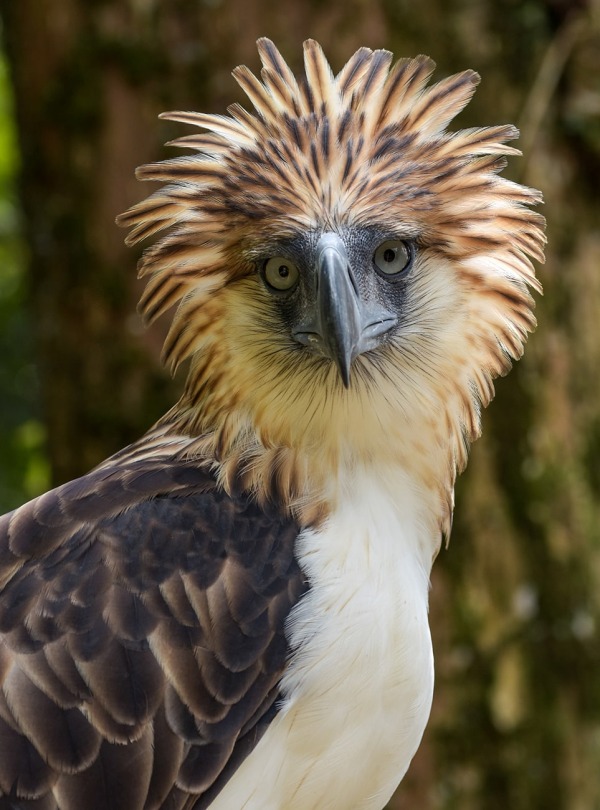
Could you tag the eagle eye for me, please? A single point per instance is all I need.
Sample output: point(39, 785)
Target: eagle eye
point(393, 258)
point(280, 274)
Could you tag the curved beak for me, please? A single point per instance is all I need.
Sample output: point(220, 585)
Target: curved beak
point(342, 325)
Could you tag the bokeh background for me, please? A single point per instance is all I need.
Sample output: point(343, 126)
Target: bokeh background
point(516, 598)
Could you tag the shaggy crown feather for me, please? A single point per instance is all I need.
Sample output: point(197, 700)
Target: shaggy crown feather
point(368, 147)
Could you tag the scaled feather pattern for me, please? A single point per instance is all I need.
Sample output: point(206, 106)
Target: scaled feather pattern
point(191, 624)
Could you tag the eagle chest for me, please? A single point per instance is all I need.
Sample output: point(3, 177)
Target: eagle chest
point(357, 691)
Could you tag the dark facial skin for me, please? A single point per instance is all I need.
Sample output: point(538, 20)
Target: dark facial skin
point(340, 294)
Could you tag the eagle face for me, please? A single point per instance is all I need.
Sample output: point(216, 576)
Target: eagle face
point(340, 295)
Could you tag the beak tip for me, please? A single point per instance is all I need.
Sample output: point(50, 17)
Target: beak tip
point(344, 370)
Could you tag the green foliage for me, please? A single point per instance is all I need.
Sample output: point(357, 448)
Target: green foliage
point(23, 467)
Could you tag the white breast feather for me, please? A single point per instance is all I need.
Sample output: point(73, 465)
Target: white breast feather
point(357, 692)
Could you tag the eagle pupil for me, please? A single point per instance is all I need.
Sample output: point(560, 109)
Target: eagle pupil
point(389, 255)
point(284, 271)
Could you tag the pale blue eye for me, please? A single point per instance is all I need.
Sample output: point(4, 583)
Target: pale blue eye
point(393, 257)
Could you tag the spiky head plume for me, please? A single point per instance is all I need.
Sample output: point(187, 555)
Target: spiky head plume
point(368, 147)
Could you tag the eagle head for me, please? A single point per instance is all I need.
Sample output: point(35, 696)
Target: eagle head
point(350, 275)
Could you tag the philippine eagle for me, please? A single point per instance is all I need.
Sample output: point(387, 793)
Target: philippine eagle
point(232, 612)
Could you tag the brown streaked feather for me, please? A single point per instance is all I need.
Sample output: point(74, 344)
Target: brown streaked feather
point(352, 72)
point(160, 294)
point(479, 141)
point(448, 98)
point(219, 124)
point(277, 87)
point(248, 120)
point(203, 142)
point(403, 87)
point(164, 603)
point(161, 206)
point(320, 79)
point(182, 170)
point(264, 103)
point(274, 61)
point(371, 85)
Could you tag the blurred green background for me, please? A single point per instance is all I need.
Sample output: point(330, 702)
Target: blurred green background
point(516, 599)
point(24, 466)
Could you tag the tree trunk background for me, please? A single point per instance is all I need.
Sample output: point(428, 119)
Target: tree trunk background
point(516, 599)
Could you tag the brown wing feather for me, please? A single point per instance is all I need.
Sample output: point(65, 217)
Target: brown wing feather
point(141, 636)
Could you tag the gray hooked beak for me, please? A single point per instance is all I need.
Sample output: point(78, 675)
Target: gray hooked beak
point(342, 326)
